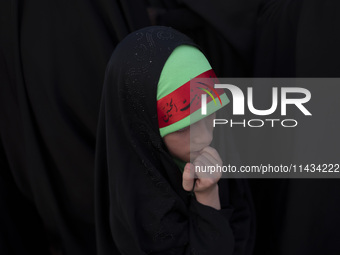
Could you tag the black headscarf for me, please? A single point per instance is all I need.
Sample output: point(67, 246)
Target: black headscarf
point(297, 38)
point(52, 64)
point(224, 29)
point(141, 207)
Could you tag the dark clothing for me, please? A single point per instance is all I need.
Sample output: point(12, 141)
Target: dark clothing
point(141, 206)
point(52, 63)
point(297, 38)
point(225, 30)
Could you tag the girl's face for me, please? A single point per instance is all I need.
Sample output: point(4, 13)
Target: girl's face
point(186, 144)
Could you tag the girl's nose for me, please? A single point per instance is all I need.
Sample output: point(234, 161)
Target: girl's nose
point(201, 133)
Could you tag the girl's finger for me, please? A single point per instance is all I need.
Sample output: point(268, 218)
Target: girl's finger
point(188, 177)
point(211, 151)
point(205, 163)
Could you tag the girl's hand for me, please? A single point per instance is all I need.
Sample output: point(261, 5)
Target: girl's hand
point(206, 187)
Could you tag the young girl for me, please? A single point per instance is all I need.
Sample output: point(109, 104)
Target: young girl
point(148, 198)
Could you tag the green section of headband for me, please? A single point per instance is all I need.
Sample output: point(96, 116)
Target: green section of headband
point(185, 63)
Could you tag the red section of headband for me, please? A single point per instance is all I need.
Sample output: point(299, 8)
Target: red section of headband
point(186, 99)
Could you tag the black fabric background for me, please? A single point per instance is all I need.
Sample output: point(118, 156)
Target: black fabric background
point(52, 63)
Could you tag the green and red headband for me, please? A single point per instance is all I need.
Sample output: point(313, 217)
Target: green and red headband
point(179, 99)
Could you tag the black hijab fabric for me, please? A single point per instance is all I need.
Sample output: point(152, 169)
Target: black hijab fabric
point(141, 207)
point(53, 56)
point(225, 30)
point(297, 38)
